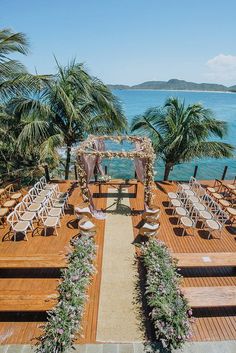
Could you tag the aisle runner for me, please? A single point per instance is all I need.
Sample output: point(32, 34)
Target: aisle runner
point(117, 316)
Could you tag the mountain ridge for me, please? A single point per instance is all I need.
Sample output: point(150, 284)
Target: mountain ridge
point(175, 84)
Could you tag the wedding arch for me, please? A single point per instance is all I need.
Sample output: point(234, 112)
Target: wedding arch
point(93, 149)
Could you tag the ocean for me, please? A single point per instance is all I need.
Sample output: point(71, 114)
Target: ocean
point(135, 102)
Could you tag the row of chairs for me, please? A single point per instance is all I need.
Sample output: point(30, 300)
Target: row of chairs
point(191, 204)
point(8, 200)
point(44, 203)
point(225, 195)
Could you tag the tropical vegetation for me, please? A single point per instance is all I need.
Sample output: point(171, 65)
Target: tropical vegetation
point(169, 310)
point(180, 133)
point(64, 321)
point(43, 113)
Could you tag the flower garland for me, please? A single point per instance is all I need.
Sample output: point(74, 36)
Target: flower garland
point(145, 152)
point(65, 319)
point(170, 311)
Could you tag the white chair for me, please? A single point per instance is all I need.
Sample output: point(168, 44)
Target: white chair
point(217, 223)
point(24, 214)
point(57, 202)
point(45, 185)
point(31, 206)
point(52, 211)
point(48, 221)
point(17, 225)
point(190, 221)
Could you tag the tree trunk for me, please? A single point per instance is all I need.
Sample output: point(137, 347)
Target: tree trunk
point(168, 167)
point(67, 166)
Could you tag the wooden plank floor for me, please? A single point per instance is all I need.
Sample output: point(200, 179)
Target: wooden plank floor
point(215, 324)
point(210, 324)
point(21, 328)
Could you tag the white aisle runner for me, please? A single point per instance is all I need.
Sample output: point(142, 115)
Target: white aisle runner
point(117, 317)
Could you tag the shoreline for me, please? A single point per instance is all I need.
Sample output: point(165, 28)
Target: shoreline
point(169, 90)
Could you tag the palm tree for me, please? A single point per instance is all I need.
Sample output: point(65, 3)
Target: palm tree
point(14, 80)
point(180, 133)
point(71, 106)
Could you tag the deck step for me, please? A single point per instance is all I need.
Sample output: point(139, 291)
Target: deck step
point(27, 301)
point(222, 259)
point(33, 261)
point(202, 297)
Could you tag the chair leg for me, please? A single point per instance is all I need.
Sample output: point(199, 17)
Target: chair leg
point(45, 231)
point(56, 231)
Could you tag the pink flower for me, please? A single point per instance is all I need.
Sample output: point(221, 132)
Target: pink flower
point(60, 331)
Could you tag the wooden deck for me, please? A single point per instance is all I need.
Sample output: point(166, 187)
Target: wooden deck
point(33, 275)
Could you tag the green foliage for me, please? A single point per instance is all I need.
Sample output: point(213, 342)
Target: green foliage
point(180, 133)
point(65, 319)
point(170, 312)
point(70, 106)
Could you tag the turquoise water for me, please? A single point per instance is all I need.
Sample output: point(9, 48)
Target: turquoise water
point(135, 102)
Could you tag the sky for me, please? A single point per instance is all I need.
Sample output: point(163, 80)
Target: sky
point(129, 41)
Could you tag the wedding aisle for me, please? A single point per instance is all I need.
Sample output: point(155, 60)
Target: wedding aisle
point(118, 315)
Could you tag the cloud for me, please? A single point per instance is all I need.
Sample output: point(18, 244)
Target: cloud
point(222, 68)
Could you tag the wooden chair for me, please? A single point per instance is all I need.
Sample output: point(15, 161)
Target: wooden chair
point(216, 187)
point(11, 194)
point(3, 213)
point(232, 214)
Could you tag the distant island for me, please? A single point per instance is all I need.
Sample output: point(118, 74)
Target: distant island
point(178, 85)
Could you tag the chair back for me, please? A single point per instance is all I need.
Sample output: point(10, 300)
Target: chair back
point(43, 213)
point(192, 181)
point(193, 214)
point(38, 187)
point(214, 207)
point(20, 208)
point(26, 200)
point(12, 218)
point(207, 199)
point(8, 189)
point(32, 193)
point(201, 192)
point(43, 182)
point(222, 217)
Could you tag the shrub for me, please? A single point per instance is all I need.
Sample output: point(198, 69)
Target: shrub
point(170, 312)
point(64, 320)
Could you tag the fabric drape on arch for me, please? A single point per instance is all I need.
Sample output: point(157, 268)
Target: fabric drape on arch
point(140, 164)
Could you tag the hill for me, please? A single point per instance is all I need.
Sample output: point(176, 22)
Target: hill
point(178, 85)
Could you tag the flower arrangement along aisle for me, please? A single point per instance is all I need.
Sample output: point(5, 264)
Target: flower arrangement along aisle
point(170, 312)
point(65, 319)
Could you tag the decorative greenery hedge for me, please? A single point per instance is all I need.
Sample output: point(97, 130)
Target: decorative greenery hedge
point(170, 312)
point(65, 319)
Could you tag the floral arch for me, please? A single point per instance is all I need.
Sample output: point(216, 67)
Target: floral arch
point(92, 150)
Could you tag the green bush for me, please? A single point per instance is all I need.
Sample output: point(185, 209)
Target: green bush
point(170, 312)
point(65, 319)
